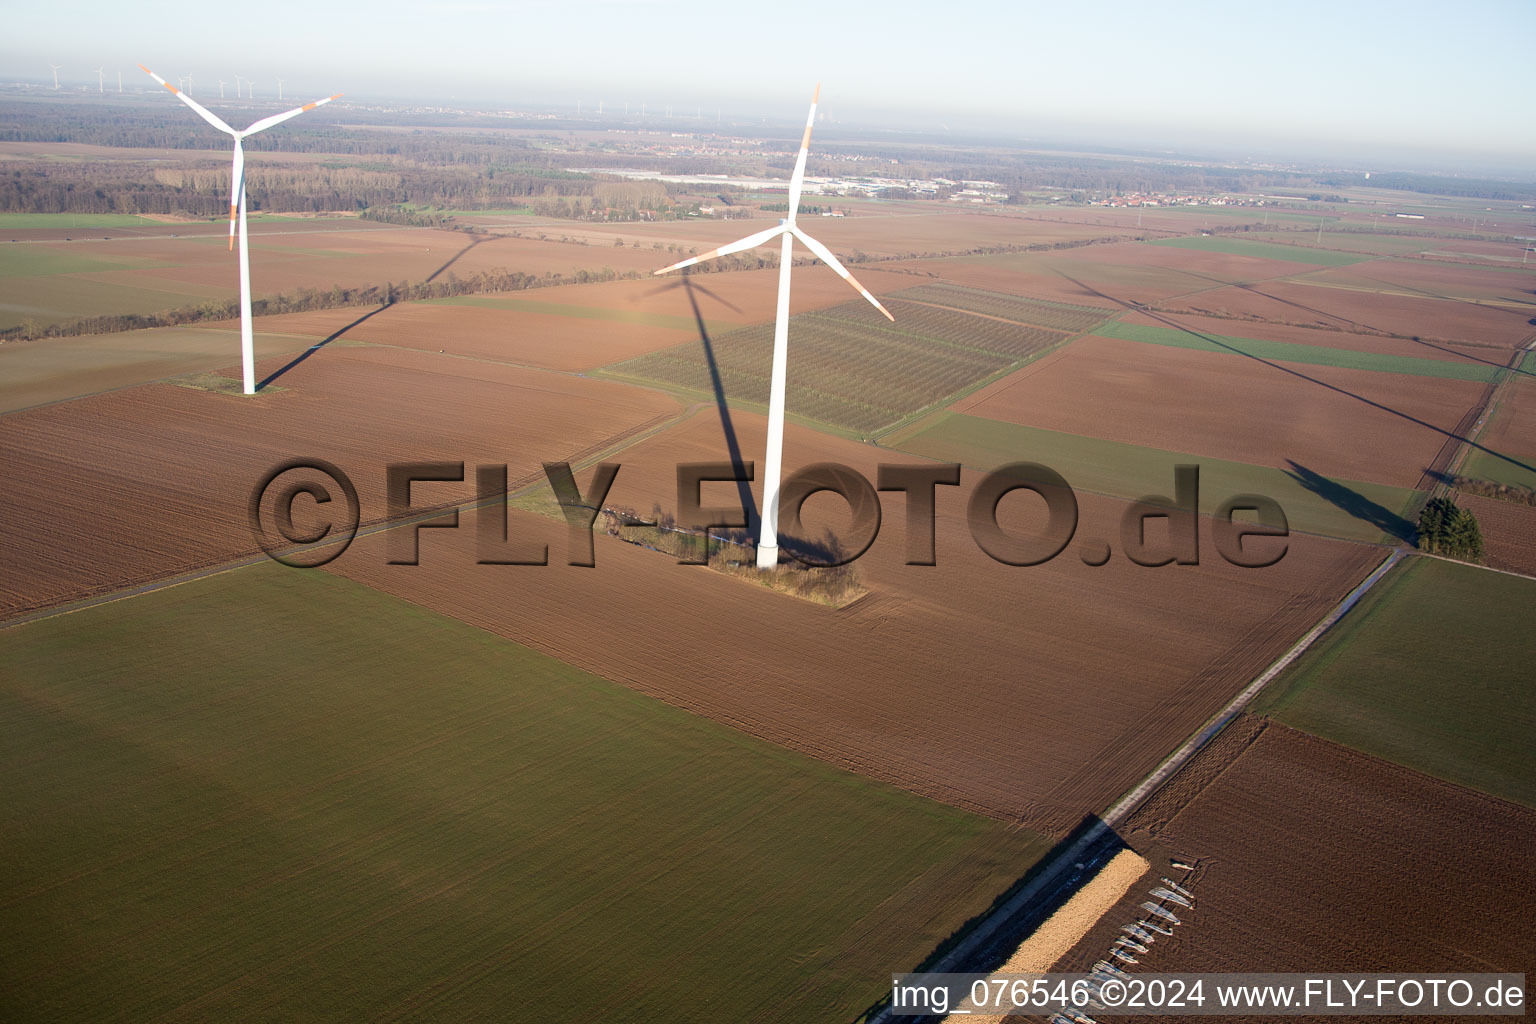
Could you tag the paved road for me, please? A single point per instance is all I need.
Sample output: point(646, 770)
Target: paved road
point(1084, 848)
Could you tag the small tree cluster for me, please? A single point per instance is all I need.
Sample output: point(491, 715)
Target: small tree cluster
point(1445, 528)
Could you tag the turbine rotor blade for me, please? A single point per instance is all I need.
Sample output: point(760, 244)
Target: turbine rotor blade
point(202, 111)
point(750, 242)
point(797, 180)
point(268, 122)
point(825, 255)
point(236, 187)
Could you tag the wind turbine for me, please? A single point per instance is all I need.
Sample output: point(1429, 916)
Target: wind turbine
point(238, 80)
point(237, 209)
point(119, 81)
point(56, 68)
point(280, 82)
point(101, 79)
point(768, 539)
point(222, 84)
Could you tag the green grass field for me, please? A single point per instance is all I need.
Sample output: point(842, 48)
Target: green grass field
point(868, 373)
point(72, 220)
point(1384, 243)
point(1291, 352)
point(281, 796)
point(1431, 670)
point(33, 260)
point(1131, 471)
point(1264, 250)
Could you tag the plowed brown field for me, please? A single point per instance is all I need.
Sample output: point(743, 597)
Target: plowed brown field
point(883, 234)
point(286, 263)
point(135, 485)
point(1437, 279)
point(1355, 424)
point(1341, 339)
point(1386, 310)
point(1111, 275)
point(507, 335)
point(1513, 427)
point(1509, 532)
point(1313, 857)
point(1038, 693)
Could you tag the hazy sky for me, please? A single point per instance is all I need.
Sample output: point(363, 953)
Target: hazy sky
point(1445, 77)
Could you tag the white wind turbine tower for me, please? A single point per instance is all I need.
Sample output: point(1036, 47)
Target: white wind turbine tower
point(768, 539)
point(101, 80)
point(56, 69)
point(222, 84)
point(238, 80)
point(237, 210)
point(280, 82)
point(119, 81)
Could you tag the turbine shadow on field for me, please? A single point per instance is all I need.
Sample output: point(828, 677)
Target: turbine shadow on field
point(317, 346)
point(1215, 341)
point(743, 488)
point(477, 240)
point(1352, 501)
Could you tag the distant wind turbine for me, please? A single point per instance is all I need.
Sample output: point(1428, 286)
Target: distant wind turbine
point(237, 210)
point(222, 84)
point(768, 540)
point(280, 82)
point(119, 81)
point(238, 80)
point(101, 79)
point(56, 69)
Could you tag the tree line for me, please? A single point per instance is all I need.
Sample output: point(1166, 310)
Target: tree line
point(307, 300)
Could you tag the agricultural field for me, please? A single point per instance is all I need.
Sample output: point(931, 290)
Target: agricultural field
point(57, 369)
point(1281, 824)
point(1506, 452)
point(1055, 316)
point(278, 794)
point(1263, 250)
point(854, 685)
point(1509, 532)
point(890, 232)
point(1430, 671)
point(1337, 349)
point(1309, 344)
point(1354, 424)
point(457, 786)
point(146, 482)
point(1309, 303)
point(116, 274)
point(1313, 502)
point(854, 369)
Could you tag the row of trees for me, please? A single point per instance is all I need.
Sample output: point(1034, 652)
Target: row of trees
point(310, 299)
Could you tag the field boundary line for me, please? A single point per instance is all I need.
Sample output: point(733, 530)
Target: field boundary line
point(1083, 847)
